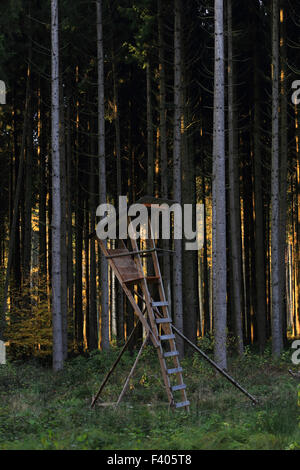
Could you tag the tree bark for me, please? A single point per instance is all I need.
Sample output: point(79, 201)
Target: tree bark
point(58, 355)
point(275, 190)
point(234, 194)
point(219, 204)
point(283, 172)
point(163, 145)
point(177, 263)
point(102, 174)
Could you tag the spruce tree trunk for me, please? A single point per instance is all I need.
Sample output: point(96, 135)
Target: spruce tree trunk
point(63, 234)
point(177, 262)
point(119, 290)
point(206, 327)
point(58, 352)
point(28, 196)
point(42, 197)
point(283, 173)
point(190, 264)
point(163, 146)
point(219, 196)
point(93, 321)
point(234, 194)
point(28, 184)
point(260, 254)
point(277, 342)
point(150, 143)
point(102, 175)
point(69, 175)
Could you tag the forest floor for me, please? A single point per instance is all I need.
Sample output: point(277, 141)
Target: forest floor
point(43, 410)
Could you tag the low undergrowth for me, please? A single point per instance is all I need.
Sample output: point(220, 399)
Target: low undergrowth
point(43, 410)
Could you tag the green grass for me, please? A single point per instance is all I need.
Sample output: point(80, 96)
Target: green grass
point(42, 410)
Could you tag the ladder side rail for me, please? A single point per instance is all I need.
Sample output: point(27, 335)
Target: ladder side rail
point(167, 327)
point(157, 271)
point(151, 317)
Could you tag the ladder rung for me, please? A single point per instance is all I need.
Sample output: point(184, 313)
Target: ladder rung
point(152, 279)
point(182, 403)
point(166, 337)
point(171, 354)
point(160, 304)
point(163, 320)
point(178, 387)
point(174, 371)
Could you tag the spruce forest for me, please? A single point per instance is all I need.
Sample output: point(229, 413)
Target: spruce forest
point(188, 103)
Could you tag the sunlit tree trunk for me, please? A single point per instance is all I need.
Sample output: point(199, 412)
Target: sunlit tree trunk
point(219, 198)
point(283, 170)
point(205, 278)
point(150, 142)
point(42, 195)
point(58, 358)
point(93, 323)
point(119, 290)
point(275, 189)
point(79, 221)
point(102, 175)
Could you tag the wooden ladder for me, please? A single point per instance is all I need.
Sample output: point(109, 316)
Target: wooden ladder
point(128, 268)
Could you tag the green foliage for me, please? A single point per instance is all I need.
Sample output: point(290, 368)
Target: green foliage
point(43, 410)
point(29, 331)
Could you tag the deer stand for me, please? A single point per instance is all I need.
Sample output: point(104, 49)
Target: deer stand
point(128, 268)
point(155, 317)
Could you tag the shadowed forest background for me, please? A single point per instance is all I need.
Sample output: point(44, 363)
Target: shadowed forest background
point(147, 85)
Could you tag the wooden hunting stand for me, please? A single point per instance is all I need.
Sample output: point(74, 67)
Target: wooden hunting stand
point(155, 316)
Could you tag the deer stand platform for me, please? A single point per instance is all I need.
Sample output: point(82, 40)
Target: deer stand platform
point(155, 316)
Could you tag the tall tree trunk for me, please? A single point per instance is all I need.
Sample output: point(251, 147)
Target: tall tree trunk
point(79, 221)
point(283, 171)
point(275, 189)
point(177, 265)
point(58, 354)
point(42, 196)
point(63, 232)
point(219, 204)
point(93, 321)
point(206, 327)
point(190, 272)
point(234, 193)
point(260, 252)
point(163, 145)
point(119, 290)
point(189, 262)
point(102, 175)
point(69, 167)
point(28, 184)
point(28, 194)
point(150, 142)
